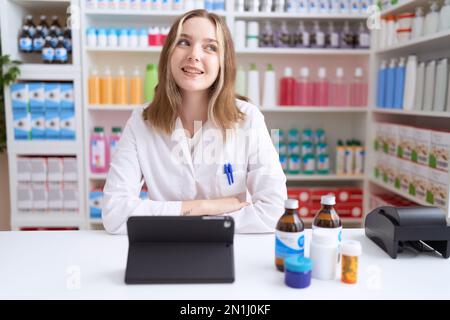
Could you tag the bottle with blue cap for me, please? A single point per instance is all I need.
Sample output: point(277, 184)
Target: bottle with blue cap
point(327, 218)
point(289, 234)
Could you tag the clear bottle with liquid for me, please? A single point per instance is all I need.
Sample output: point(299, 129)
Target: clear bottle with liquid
point(106, 87)
point(347, 37)
point(30, 24)
point(317, 36)
point(48, 52)
point(332, 37)
point(25, 40)
point(43, 24)
point(121, 88)
point(267, 36)
point(94, 87)
point(289, 234)
point(136, 88)
point(327, 218)
point(61, 51)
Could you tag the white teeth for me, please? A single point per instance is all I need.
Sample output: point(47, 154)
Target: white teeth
point(189, 70)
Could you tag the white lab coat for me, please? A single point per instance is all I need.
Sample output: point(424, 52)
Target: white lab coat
point(173, 175)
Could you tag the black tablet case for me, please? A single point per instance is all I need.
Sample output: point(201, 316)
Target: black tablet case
point(178, 249)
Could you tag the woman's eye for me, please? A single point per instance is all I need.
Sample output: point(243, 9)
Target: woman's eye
point(183, 42)
point(212, 47)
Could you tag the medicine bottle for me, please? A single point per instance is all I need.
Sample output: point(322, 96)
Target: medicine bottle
point(324, 254)
point(289, 234)
point(327, 218)
point(350, 251)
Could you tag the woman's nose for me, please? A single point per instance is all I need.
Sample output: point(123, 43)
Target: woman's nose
point(194, 54)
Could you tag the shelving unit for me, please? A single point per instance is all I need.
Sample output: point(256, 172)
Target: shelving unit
point(12, 13)
point(428, 47)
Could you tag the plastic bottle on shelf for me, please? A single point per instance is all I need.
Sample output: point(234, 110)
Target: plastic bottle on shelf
point(38, 40)
point(321, 88)
point(313, 6)
point(43, 24)
point(340, 158)
point(390, 84)
point(324, 6)
point(269, 100)
point(163, 35)
point(253, 85)
point(444, 16)
point(280, 5)
point(420, 85)
point(53, 34)
point(287, 88)
point(153, 35)
point(91, 4)
point(303, 36)
point(150, 82)
point(48, 52)
point(113, 40)
point(102, 40)
point(102, 4)
point(106, 87)
point(146, 5)
point(123, 38)
point(136, 86)
point(363, 37)
point(283, 37)
point(241, 81)
point(381, 85)
point(61, 55)
point(317, 36)
point(30, 24)
point(302, 6)
point(143, 38)
point(441, 85)
point(56, 25)
point(417, 27)
point(390, 31)
point(431, 24)
point(399, 84)
point(354, 7)
point(166, 5)
point(132, 38)
point(135, 4)
point(254, 6)
point(410, 82)
point(291, 6)
point(346, 37)
point(430, 78)
point(25, 40)
point(267, 36)
point(91, 37)
point(67, 34)
point(189, 5)
point(124, 5)
point(240, 6)
point(116, 133)
point(94, 87)
point(332, 37)
point(304, 95)
point(121, 87)
point(339, 90)
point(358, 90)
point(178, 5)
point(99, 153)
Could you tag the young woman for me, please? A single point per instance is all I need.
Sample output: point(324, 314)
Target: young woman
point(200, 148)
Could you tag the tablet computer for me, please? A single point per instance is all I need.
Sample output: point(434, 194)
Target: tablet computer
point(180, 249)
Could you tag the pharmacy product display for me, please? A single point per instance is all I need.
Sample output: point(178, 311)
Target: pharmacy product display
point(413, 160)
point(301, 35)
point(417, 23)
point(51, 41)
point(308, 153)
point(155, 5)
point(47, 184)
point(344, 7)
point(349, 200)
point(43, 111)
point(120, 89)
point(409, 84)
point(126, 38)
point(386, 199)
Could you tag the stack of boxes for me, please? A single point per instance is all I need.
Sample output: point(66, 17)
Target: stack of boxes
point(380, 200)
point(414, 161)
point(43, 111)
point(349, 200)
point(47, 184)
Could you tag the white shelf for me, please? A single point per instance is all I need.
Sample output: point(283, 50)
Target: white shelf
point(114, 107)
point(48, 219)
point(314, 109)
point(323, 177)
point(306, 51)
point(296, 15)
point(426, 44)
point(44, 147)
point(141, 12)
point(50, 72)
point(156, 49)
point(412, 113)
point(398, 192)
point(404, 6)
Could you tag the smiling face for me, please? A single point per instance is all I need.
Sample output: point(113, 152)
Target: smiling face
point(195, 59)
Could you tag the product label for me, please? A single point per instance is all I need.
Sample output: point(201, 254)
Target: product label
point(336, 231)
point(38, 44)
point(61, 55)
point(25, 44)
point(289, 243)
point(308, 165)
point(98, 153)
point(48, 54)
point(294, 164)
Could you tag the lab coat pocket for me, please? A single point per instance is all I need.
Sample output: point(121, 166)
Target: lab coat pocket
point(238, 187)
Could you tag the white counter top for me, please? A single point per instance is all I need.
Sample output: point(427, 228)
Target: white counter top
point(91, 265)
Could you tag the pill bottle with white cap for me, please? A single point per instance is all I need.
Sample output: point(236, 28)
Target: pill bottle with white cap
point(289, 234)
point(327, 218)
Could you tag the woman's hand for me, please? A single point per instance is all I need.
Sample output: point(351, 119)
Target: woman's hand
point(212, 207)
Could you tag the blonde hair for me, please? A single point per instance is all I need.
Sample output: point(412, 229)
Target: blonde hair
point(222, 110)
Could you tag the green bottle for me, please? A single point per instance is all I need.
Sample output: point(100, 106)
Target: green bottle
point(150, 82)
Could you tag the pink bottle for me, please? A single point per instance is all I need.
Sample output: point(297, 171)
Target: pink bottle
point(304, 95)
point(99, 151)
point(339, 90)
point(358, 90)
point(287, 88)
point(321, 88)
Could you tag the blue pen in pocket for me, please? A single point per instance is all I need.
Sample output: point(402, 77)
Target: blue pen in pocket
point(230, 171)
point(225, 171)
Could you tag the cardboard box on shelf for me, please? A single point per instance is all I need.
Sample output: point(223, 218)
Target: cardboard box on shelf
point(406, 142)
point(40, 196)
point(349, 195)
point(55, 196)
point(54, 169)
point(38, 169)
point(421, 150)
point(378, 143)
point(23, 169)
point(419, 182)
point(349, 210)
point(439, 150)
point(391, 138)
point(404, 175)
point(24, 197)
point(437, 188)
